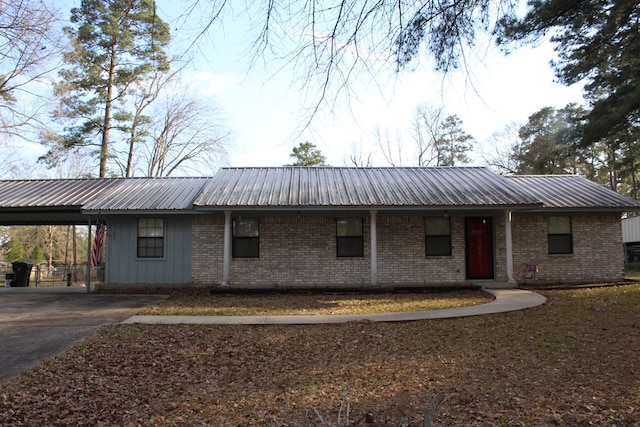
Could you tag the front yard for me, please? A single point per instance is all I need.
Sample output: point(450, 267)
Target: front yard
point(202, 303)
point(572, 361)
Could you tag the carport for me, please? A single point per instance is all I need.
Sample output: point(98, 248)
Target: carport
point(53, 202)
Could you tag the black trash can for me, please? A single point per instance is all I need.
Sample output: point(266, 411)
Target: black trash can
point(21, 273)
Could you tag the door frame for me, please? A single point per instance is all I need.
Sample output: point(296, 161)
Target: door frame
point(489, 232)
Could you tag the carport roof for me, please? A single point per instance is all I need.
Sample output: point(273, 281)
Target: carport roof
point(148, 194)
point(68, 201)
point(48, 201)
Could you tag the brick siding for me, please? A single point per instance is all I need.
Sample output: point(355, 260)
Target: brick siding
point(597, 250)
point(300, 251)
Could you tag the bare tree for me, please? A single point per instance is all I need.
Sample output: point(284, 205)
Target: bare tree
point(28, 49)
point(356, 157)
point(147, 93)
point(391, 149)
point(184, 135)
point(334, 44)
point(426, 133)
point(502, 149)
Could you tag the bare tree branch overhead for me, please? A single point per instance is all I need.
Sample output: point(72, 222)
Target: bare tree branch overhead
point(28, 49)
point(333, 44)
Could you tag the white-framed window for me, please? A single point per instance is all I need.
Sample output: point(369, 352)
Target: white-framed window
point(349, 237)
point(246, 238)
point(437, 236)
point(150, 238)
point(559, 234)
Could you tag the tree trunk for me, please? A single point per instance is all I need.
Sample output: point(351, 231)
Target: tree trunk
point(104, 148)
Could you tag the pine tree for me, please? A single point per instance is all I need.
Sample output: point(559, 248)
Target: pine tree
point(454, 143)
point(307, 154)
point(115, 43)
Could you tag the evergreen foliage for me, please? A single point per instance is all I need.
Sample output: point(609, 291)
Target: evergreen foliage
point(598, 43)
point(115, 43)
point(16, 251)
point(307, 154)
point(454, 143)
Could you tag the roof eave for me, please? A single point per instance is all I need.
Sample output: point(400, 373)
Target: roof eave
point(398, 208)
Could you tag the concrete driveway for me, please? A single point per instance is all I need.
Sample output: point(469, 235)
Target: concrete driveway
point(37, 323)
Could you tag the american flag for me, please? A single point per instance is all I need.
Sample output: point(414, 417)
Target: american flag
point(96, 251)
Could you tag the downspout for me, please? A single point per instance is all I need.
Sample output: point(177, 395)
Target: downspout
point(374, 248)
point(226, 268)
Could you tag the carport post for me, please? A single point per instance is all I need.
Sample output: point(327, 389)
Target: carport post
point(88, 275)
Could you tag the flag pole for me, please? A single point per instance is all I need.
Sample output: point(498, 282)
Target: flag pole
point(88, 273)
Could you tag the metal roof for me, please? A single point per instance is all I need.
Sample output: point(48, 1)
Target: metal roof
point(68, 201)
point(407, 187)
point(50, 201)
point(51, 192)
point(142, 194)
point(571, 192)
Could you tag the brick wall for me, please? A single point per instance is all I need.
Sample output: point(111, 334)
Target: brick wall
point(207, 252)
point(300, 250)
point(401, 253)
point(597, 250)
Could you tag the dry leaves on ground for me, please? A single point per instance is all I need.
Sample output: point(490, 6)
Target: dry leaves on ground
point(202, 302)
point(573, 360)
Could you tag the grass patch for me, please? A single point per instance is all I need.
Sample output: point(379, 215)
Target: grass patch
point(571, 361)
point(200, 302)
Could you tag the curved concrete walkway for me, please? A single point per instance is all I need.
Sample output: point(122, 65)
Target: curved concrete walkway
point(505, 300)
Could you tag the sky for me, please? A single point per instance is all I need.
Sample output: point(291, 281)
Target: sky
point(264, 108)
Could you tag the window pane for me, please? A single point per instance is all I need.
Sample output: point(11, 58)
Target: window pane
point(246, 228)
point(246, 247)
point(349, 227)
point(437, 226)
point(560, 244)
point(150, 238)
point(559, 225)
point(150, 247)
point(438, 245)
point(349, 247)
point(150, 227)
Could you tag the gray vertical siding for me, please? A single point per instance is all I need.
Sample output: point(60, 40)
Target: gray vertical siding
point(123, 266)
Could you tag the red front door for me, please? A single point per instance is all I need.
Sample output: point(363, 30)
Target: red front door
point(479, 247)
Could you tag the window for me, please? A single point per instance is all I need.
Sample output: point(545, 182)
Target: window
point(150, 238)
point(349, 242)
point(559, 235)
point(246, 238)
point(437, 236)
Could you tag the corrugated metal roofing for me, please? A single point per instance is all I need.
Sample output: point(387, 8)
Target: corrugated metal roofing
point(50, 202)
point(51, 192)
point(570, 192)
point(360, 187)
point(66, 201)
point(136, 194)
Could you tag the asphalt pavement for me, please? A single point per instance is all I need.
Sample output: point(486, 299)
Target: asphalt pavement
point(36, 324)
